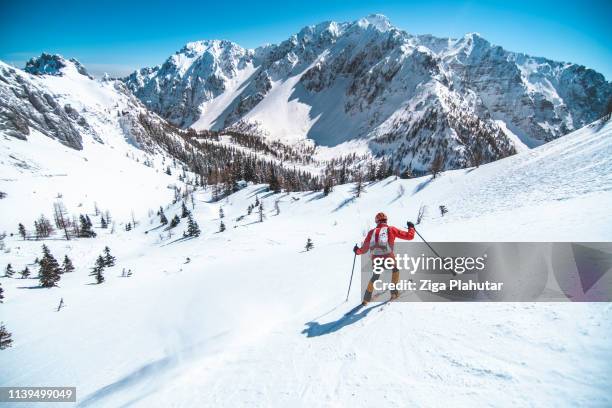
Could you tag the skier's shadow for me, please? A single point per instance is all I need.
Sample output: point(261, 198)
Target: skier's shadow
point(315, 329)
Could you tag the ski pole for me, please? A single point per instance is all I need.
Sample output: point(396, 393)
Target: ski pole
point(432, 250)
point(351, 281)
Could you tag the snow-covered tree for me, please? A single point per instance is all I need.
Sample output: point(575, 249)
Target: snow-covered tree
point(193, 230)
point(443, 210)
point(98, 270)
point(49, 273)
point(175, 221)
point(162, 217)
point(43, 227)
point(22, 231)
point(109, 260)
point(221, 214)
point(67, 265)
point(184, 210)
point(1, 293)
point(5, 337)
point(8, 271)
point(358, 189)
point(309, 245)
point(60, 216)
point(86, 228)
point(221, 227)
point(25, 273)
point(261, 212)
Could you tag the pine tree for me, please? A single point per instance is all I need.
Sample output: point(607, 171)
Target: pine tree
point(5, 337)
point(358, 189)
point(128, 226)
point(309, 245)
point(193, 230)
point(103, 223)
point(1, 293)
point(175, 221)
point(184, 211)
point(221, 214)
point(25, 273)
point(49, 273)
point(9, 272)
point(443, 210)
point(168, 172)
point(109, 260)
point(261, 212)
point(162, 217)
point(98, 269)
point(86, 230)
point(67, 265)
point(22, 231)
point(221, 227)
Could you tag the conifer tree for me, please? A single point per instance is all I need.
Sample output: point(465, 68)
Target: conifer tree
point(97, 270)
point(184, 210)
point(9, 272)
point(221, 227)
point(221, 214)
point(1, 293)
point(5, 337)
point(261, 212)
point(25, 273)
point(49, 273)
point(22, 231)
point(86, 230)
point(309, 245)
point(193, 230)
point(175, 221)
point(103, 223)
point(109, 260)
point(67, 265)
point(128, 226)
point(162, 217)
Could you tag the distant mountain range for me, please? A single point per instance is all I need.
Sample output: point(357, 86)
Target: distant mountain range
point(408, 98)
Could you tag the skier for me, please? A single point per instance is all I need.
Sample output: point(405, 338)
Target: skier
point(379, 242)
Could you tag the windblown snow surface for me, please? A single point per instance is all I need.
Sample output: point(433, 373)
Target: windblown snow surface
point(254, 321)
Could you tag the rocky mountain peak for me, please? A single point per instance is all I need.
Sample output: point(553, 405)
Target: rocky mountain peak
point(53, 64)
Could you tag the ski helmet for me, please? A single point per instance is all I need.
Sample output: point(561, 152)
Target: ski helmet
point(380, 217)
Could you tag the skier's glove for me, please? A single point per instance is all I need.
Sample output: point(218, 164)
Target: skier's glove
point(355, 249)
point(410, 224)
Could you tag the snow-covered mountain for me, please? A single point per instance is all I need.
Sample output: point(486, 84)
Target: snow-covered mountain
point(407, 96)
point(66, 135)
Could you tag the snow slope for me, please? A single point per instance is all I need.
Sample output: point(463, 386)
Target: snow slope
point(103, 163)
point(253, 320)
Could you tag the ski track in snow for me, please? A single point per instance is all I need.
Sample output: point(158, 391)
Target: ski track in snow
point(255, 321)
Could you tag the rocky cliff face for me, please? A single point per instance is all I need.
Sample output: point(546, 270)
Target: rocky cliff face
point(26, 104)
point(57, 97)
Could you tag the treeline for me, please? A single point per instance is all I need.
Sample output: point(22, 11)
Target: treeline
point(224, 166)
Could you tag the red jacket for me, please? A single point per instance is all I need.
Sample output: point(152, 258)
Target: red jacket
point(393, 233)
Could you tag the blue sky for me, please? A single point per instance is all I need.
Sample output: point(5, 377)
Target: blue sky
point(115, 37)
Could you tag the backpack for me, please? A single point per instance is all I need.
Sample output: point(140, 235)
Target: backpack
point(379, 242)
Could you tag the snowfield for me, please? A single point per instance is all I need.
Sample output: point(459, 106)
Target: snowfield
point(252, 320)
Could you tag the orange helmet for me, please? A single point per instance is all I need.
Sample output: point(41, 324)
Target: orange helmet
point(380, 217)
